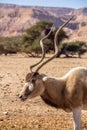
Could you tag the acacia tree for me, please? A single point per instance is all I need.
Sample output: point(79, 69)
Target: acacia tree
point(35, 33)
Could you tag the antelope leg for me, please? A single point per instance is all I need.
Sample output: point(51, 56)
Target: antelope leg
point(77, 118)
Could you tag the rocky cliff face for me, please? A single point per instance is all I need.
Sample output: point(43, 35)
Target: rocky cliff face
point(15, 19)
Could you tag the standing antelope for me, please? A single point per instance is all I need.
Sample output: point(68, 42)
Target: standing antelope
point(68, 92)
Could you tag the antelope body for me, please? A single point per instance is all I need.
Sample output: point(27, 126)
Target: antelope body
point(68, 92)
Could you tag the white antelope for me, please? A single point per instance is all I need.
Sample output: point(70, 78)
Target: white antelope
point(68, 92)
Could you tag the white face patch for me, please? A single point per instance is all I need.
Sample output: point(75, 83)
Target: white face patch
point(44, 78)
point(30, 86)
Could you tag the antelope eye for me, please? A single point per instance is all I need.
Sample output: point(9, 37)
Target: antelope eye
point(33, 81)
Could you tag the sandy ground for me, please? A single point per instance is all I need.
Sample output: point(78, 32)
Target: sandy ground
point(32, 114)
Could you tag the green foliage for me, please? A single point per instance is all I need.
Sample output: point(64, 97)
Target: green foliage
point(30, 42)
point(31, 39)
point(33, 35)
point(71, 48)
point(74, 46)
point(35, 31)
point(10, 43)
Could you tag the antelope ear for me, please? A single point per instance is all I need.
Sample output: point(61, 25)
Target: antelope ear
point(44, 79)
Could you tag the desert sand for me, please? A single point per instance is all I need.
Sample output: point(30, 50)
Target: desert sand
point(33, 114)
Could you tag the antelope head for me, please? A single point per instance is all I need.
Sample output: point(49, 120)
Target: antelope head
point(34, 85)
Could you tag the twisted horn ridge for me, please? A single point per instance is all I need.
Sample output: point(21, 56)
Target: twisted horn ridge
point(55, 44)
point(43, 50)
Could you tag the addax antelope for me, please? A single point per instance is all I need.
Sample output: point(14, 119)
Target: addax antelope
point(68, 92)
